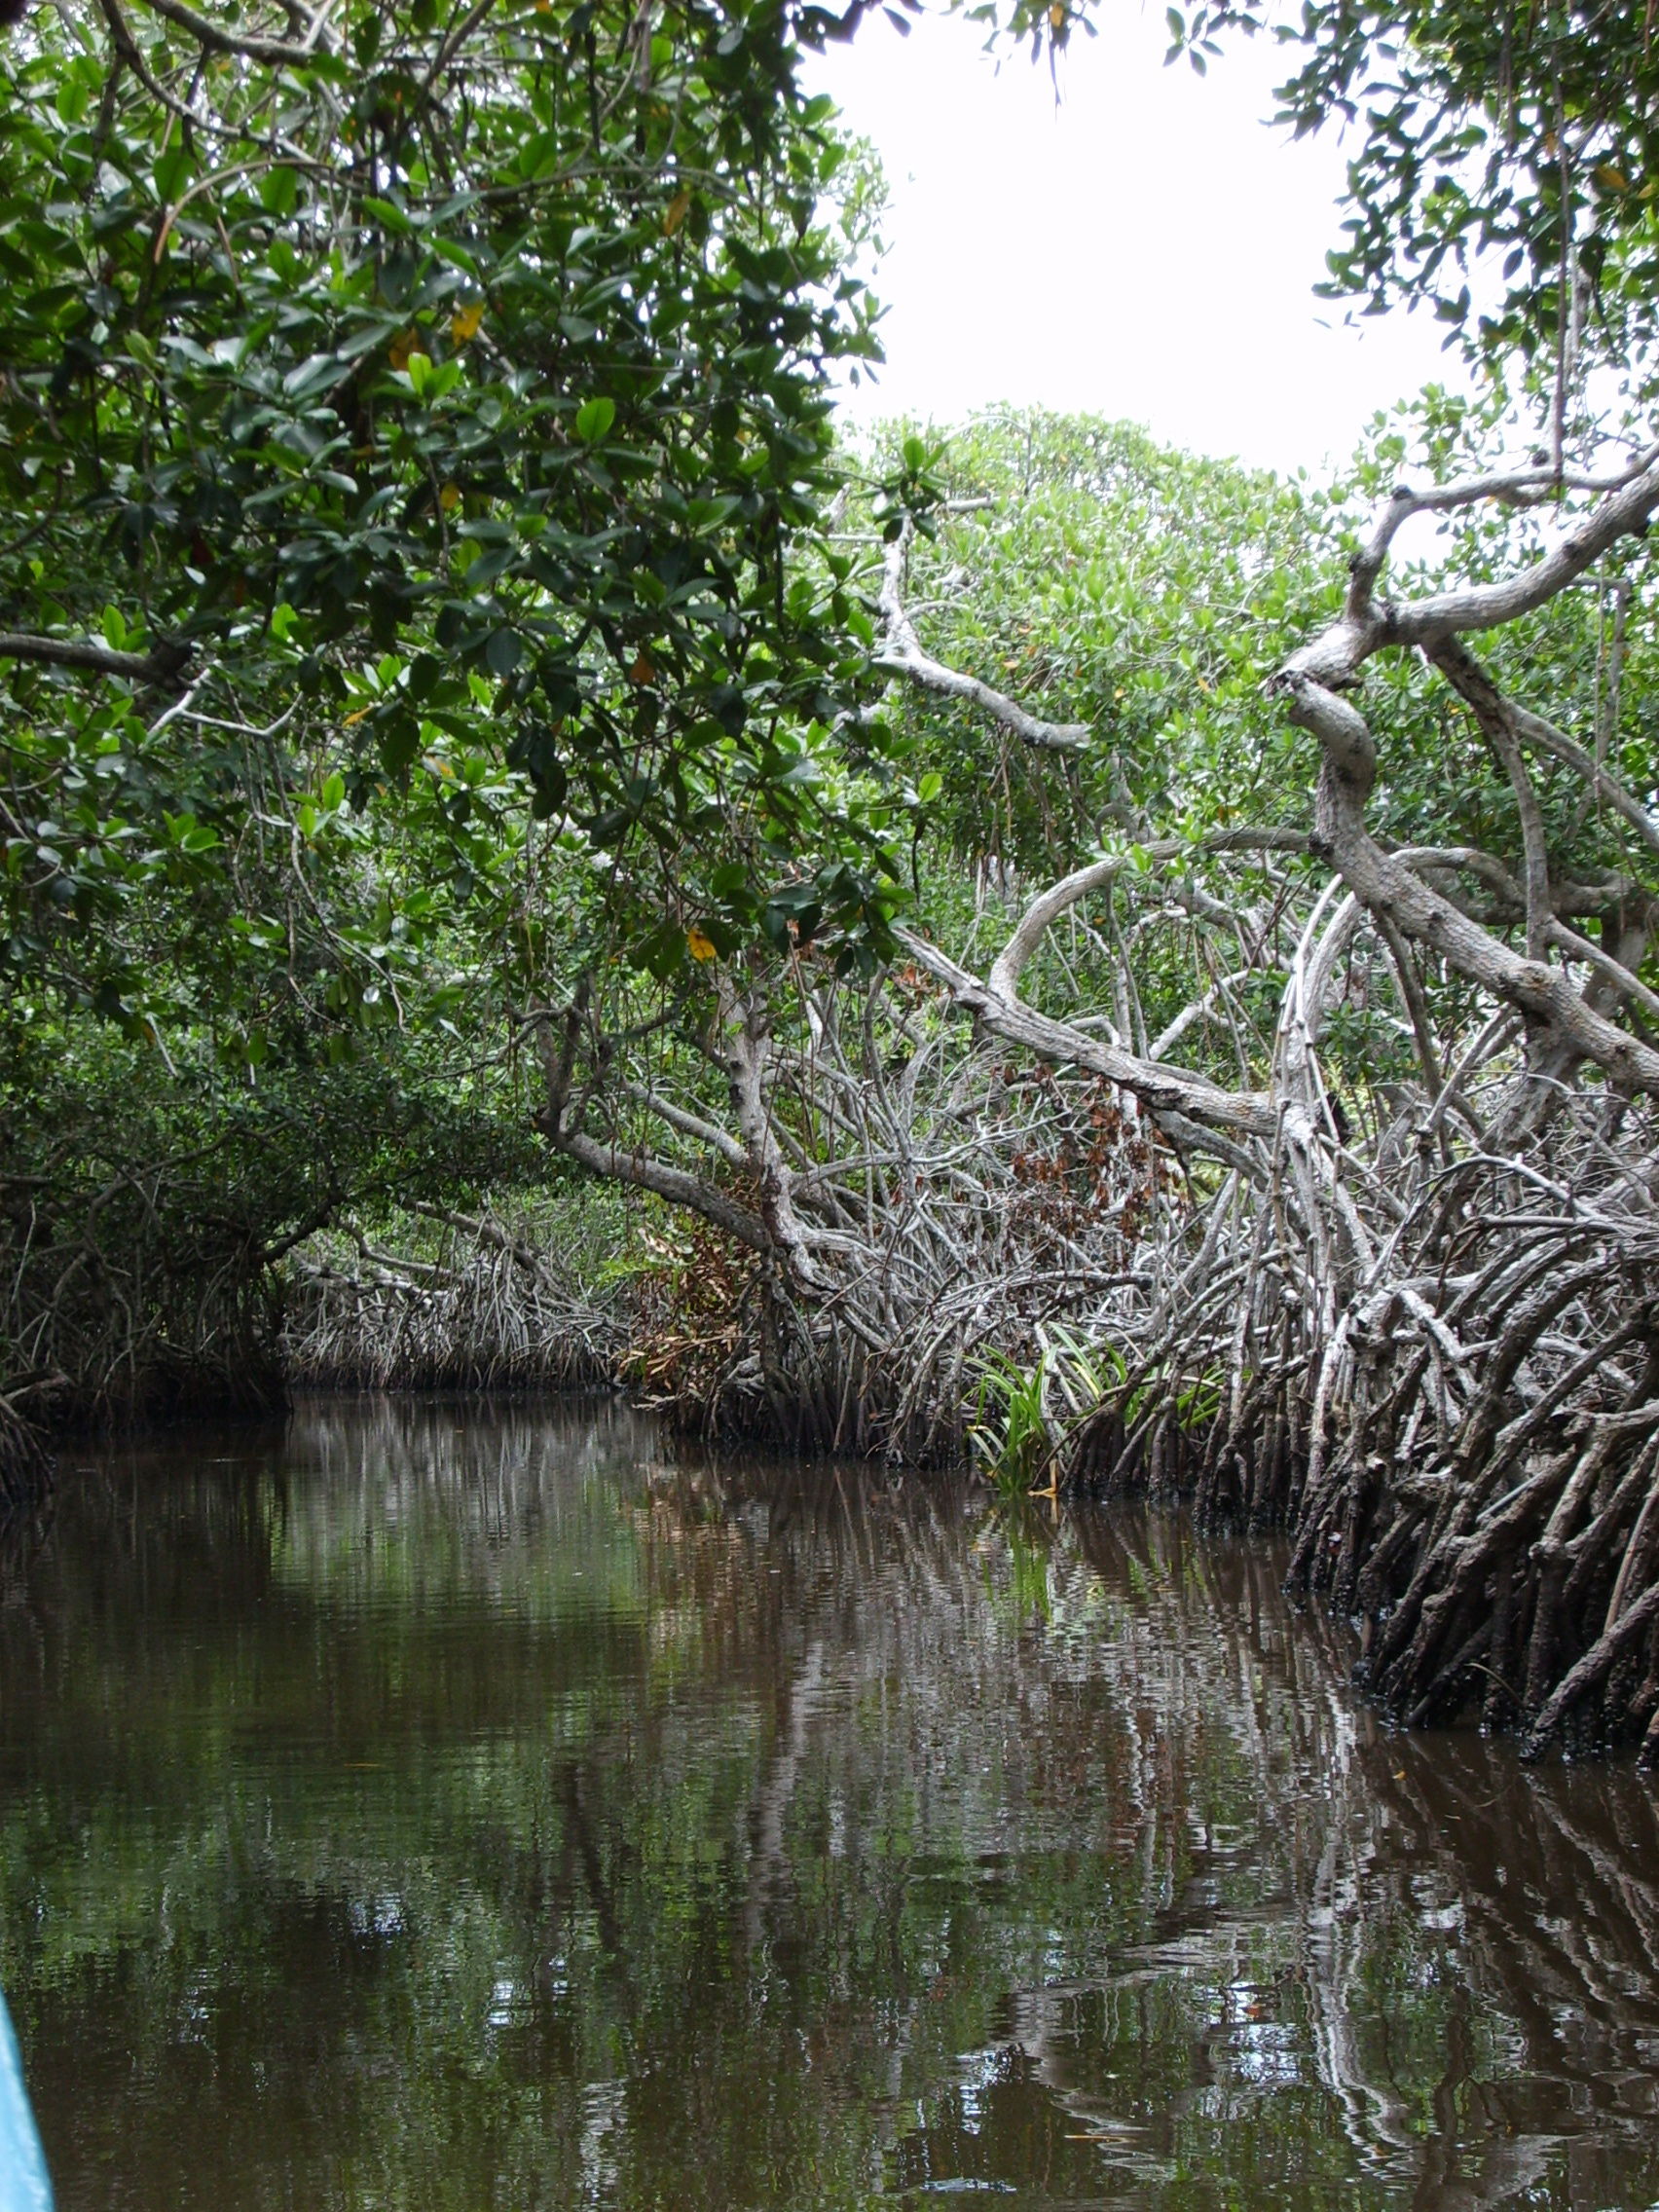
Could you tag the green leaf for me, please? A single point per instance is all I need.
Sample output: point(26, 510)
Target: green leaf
point(594, 419)
point(399, 741)
point(279, 190)
point(388, 211)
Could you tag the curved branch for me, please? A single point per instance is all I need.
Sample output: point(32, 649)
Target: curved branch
point(1624, 982)
point(902, 654)
point(276, 53)
point(1196, 1009)
point(1334, 658)
point(265, 161)
point(688, 1125)
point(1165, 1090)
point(930, 675)
point(558, 1038)
point(1047, 909)
point(1482, 606)
point(161, 665)
point(1460, 859)
point(1537, 990)
point(1526, 487)
point(673, 1184)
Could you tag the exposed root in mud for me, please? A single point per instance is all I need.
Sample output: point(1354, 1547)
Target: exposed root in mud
point(476, 1305)
point(1484, 1485)
point(1465, 1452)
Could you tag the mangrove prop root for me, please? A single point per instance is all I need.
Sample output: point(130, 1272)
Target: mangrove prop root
point(1413, 1321)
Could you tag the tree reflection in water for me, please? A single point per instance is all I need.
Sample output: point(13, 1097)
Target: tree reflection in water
point(446, 1806)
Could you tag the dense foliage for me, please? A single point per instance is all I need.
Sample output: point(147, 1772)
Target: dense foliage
point(1502, 172)
point(405, 429)
point(461, 702)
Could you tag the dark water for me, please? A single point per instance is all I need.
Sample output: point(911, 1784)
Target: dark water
point(457, 1809)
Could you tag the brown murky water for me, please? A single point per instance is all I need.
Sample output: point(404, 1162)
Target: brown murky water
point(442, 1807)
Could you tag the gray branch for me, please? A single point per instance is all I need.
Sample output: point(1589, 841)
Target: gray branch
point(161, 665)
point(902, 654)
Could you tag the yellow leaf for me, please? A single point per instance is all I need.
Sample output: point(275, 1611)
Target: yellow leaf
point(402, 346)
point(464, 324)
point(679, 207)
point(1057, 17)
point(1613, 178)
point(361, 715)
point(698, 945)
point(449, 499)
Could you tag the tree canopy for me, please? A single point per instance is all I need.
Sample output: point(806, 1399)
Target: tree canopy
point(460, 699)
point(1502, 169)
point(454, 381)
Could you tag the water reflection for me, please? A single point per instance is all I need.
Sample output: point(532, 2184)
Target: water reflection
point(449, 1808)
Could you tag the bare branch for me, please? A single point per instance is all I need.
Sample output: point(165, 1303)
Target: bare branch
point(1548, 739)
point(1521, 487)
point(1047, 909)
point(127, 46)
point(1387, 886)
point(688, 1125)
point(619, 1165)
point(1626, 984)
point(1333, 659)
point(161, 665)
point(902, 654)
point(1497, 720)
point(1164, 1089)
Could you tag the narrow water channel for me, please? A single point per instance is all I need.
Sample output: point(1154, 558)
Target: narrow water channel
point(440, 1807)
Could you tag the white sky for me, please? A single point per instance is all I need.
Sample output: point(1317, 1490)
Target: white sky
point(1146, 250)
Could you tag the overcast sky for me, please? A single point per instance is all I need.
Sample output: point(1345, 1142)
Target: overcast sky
point(1148, 249)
